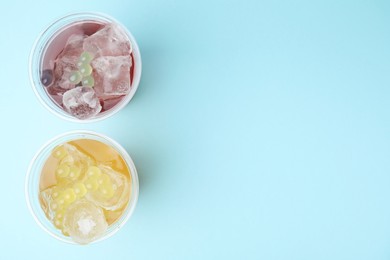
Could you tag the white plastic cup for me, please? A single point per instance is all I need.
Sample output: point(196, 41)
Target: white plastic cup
point(34, 174)
point(41, 46)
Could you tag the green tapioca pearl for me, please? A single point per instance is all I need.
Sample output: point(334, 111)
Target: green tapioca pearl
point(75, 77)
point(85, 70)
point(88, 81)
point(86, 57)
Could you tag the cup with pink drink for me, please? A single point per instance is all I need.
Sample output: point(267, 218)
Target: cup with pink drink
point(85, 67)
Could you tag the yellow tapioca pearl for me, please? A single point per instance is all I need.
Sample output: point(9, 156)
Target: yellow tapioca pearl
point(59, 214)
point(74, 172)
point(104, 179)
point(62, 171)
point(91, 183)
point(69, 195)
point(55, 193)
point(65, 198)
point(93, 171)
point(106, 190)
point(58, 218)
point(61, 201)
point(54, 205)
point(57, 223)
point(59, 152)
point(79, 189)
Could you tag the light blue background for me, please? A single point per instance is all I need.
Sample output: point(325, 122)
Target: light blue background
point(260, 130)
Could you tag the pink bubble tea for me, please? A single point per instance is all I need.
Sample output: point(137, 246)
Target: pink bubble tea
point(85, 67)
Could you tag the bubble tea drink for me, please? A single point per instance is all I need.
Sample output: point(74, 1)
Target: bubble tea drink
point(85, 67)
point(83, 189)
point(85, 185)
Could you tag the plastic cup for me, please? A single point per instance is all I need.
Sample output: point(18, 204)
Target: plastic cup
point(44, 45)
point(33, 179)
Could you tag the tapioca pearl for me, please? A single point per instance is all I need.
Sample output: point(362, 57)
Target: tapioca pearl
point(69, 196)
point(54, 205)
point(74, 172)
point(88, 81)
point(93, 171)
point(91, 183)
point(62, 171)
point(79, 189)
point(61, 202)
point(86, 57)
point(58, 223)
point(104, 179)
point(60, 214)
point(58, 219)
point(59, 152)
point(47, 77)
point(55, 193)
point(106, 190)
point(75, 77)
point(85, 70)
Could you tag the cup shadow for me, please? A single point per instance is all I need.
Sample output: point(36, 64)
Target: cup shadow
point(142, 141)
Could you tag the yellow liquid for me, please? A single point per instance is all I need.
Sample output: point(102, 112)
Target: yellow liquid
point(102, 154)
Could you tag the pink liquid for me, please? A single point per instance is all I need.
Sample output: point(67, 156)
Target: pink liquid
point(56, 45)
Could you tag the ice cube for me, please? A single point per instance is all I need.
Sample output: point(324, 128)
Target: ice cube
point(109, 102)
point(50, 200)
point(62, 73)
point(46, 198)
point(121, 186)
point(73, 47)
point(56, 90)
point(74, 155)
point(84, 221)
point(112, 75)
point(111, 40)
point(57, 98)
point(66, 62)
point(112, 216)
point(78, 163)
point(81, 102)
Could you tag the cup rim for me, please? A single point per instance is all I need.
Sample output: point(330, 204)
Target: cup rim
point(63, 114)
point(129, 210)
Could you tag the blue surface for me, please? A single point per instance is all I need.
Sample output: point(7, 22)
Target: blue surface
point(260, 130)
